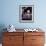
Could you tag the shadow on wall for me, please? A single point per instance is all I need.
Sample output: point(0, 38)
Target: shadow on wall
point(2, 26)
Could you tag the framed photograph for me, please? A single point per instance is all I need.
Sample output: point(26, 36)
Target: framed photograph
point(26, 13)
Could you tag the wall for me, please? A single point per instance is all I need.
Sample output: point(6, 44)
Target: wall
point(9, 13)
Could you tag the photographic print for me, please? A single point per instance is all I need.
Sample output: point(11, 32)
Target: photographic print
point(26, 13)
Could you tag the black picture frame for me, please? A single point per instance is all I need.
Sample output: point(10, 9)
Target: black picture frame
point(26, 13)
